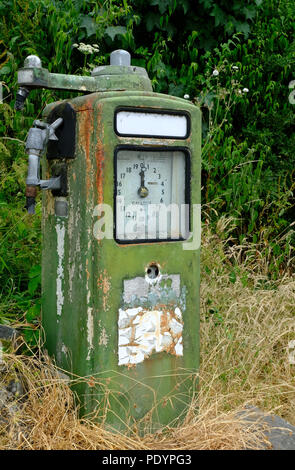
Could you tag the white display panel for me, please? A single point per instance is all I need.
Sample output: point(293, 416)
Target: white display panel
point(151, 195)
point(151, 124)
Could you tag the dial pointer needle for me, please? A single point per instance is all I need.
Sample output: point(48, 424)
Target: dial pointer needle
point(143, 191)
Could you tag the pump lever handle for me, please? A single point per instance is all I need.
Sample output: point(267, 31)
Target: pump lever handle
point(51, 128)
point(56, 123)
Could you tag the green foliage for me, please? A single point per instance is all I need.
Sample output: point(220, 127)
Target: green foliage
point(248, 136)
point(249, 149)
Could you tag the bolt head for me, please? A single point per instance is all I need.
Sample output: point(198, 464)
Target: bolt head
point(120, 57)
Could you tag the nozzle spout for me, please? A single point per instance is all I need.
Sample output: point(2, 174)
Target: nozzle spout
point(31, 193)
point(21, 95)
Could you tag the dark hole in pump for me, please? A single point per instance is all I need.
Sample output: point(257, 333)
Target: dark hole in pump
point(153, 271)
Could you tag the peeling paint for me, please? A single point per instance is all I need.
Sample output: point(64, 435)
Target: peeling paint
point(64, 349)
point(74, 243)
point(143, 332)
point(60, 232)
point(90, 331)
point(141, 288)
point(104, 283)
point(104, 339)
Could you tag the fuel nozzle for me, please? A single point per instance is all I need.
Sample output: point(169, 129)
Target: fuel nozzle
point(38, 137)
point(32, 61)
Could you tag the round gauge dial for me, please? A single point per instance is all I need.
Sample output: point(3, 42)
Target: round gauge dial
point(150, 194)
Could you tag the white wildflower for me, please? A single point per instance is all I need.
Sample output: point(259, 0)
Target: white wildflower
point(245, 90)
point(215, 73)
point(235, 67)
point(186, 97)
point(86, 48)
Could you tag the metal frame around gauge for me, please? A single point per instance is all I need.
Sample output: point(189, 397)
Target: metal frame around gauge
point(187, 193)
point(153, 111)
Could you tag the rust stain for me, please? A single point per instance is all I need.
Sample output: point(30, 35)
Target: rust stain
point(87, 272)
point(49, 204)
point(99, 156)
point(91, 382)
point(104, 283)
point(85, 134)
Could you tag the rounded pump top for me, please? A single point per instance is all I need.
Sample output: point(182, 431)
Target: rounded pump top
point(32, 61)
point(120, 57)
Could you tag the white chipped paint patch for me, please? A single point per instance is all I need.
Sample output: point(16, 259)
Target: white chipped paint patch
point(143, 332)
point(90, 331)
point(64, 349)
point(142, 286)
point(60, 232)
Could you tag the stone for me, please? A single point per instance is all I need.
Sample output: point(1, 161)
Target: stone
point(279, 433)
point(7, 333)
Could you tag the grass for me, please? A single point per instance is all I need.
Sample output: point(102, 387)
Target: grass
point(247, 322)
point(48, 419)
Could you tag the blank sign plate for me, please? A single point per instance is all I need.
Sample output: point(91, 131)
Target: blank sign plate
point(133, 123)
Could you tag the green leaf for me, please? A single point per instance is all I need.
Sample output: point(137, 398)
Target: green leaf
point(233, 276)
point(33, 313)
point(33, 285)
point(89, 24)
point(35, 271)
point(185, 5)
point(243, 28)
point(113, 31)
point(31, 336)
point(5, 70)
point(162, 5)
point(152, 20)
point(34, 279)
point(249, 13)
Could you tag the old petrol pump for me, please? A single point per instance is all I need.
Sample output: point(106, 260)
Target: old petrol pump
point(121, 245)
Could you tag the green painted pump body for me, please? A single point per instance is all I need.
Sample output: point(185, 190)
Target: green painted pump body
point(89, 283)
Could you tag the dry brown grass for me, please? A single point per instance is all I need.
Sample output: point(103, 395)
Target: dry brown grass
point(48, 419)
point(246, 325)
